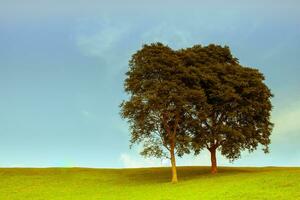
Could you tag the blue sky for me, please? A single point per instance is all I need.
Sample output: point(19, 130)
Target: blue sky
point(62, 66)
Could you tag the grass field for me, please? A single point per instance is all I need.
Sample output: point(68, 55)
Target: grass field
point(149, 183)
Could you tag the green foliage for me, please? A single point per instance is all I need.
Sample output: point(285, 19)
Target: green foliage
point(149, 183)
point(196, 98)
point(160, 102)
point(239, 103)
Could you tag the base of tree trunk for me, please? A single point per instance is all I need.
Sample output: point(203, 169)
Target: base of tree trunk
point(174, 173)
point(214, 170)
point(173, 165)
point(213, 158)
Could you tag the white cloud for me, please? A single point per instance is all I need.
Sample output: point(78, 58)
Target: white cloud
point(167, 34)
point(128, 161)
point(287, 120)
point(137, 162)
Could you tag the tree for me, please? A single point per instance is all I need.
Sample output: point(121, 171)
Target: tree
point(161, 104)
point(238, 102)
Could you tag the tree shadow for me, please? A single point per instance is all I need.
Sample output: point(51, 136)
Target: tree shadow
point(163, 175)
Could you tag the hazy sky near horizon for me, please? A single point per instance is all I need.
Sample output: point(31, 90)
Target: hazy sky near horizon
point(62, 66)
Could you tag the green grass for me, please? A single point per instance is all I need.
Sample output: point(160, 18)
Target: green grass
point(149, 183)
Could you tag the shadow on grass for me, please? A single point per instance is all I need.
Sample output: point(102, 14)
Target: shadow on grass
point(163, 175)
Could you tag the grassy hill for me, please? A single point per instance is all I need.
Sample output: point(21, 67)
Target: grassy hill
point(149, 183)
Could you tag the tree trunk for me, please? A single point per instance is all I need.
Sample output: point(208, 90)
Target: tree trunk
point(173, 164)
point(172, 141)
point(213, 160)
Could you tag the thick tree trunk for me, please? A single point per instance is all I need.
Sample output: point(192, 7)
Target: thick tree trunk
point(173, 164)
point(213, 159)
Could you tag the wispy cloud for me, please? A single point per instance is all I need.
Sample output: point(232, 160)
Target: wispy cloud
point(106, 40)
point(86, 113)
point(101, 43)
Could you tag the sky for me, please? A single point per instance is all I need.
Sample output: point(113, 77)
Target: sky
point(63, 64)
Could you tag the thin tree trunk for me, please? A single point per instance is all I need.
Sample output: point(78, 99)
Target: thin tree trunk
point(173, 164)
point(213, 160)
point(172, 141)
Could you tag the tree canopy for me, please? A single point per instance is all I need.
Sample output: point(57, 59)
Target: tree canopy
point(195, 98)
